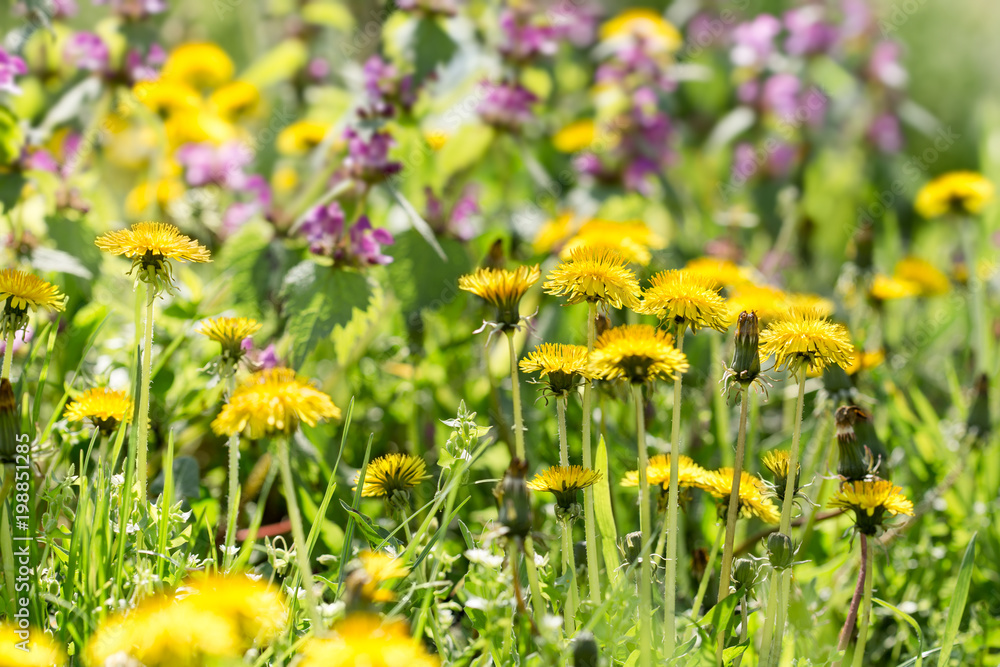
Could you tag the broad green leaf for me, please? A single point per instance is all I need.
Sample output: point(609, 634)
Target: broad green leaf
point(603, 511)
point(252, 264)
point(317, 299)
point(730, 654)
point(419, 278)
point(958, 600)
point(432, 47)
point(463, 149)
point(186, 480)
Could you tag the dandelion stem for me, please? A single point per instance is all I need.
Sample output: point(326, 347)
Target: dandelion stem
point(516, 391)
point(8, 355)
point(645, 527)
point(299, 537)
point(734, 498)
point(866, 608)
point(563, 446)
point(569, 567)
point(707, 575)
point(589, 519)
point(670, 580)
point(537, 601)
point(142, 416)
point(852, 615)
point(771, 610)
point(234, 487)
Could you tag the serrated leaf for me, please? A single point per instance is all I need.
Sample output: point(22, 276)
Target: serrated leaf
point(317, 299)
point(419, 278)
point(432, 47)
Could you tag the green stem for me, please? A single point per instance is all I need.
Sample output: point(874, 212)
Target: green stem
point(744, 621)
point(537, 601)
point(563, 445)
point(645, 527)
point(589, 519)
point(8, 355)
point(142, 425)
point(824, 487)
point(445, 520)
point(234, 487)
point(734, 499)
point(719, 408)
point(703, 585)
point(299, 537)
point(516, 391)
point(569, 567)
point(771, 610)
point(977, 334)
point(866, 611)
point(670, 580)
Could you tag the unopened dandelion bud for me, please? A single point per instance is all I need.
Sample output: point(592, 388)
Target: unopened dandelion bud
point(746, 358)
point(515, 505)
point(978, 423)
point(632, 546)
point(9, 422)
point(744, 572)
point(601, 324)
point(779, 551)
point(854, 463)
point(585, 652)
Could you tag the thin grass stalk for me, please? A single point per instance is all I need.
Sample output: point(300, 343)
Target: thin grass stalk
point(563, 444)
point(569, 568)
point(299, 536)
point(233, 507)
point(142, 415)
point(866, 610)
point(852, 615)
point(645, 527)
point(8, 355)
point(670, 579)
point(734, 499)
point(589, 519)
point(703, 585)
point(744, 621)
point(770, 608)
point(537, 601)
point(516, 392)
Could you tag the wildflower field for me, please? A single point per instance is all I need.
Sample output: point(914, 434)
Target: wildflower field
point(499, 332)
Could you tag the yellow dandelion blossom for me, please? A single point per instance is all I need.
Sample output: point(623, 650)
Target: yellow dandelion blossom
point(808, 340)
point(199, 125)
point(257, 609)
point(393, 474)
point(21, 292)
point(576, 136)
point(769, 303)
point(689, 473)
point(554, 233)
point(632, 238)
point(955, 192)
point(656, 33)
point(235, 99)
point(777, 461)
point(436, 139)
point(923, 274)
point(565, 483)
point(864, 361)
point(595, 274)
point(273, 401)
point(198, 64)
point(230, 332)
point(372, 570)
point(808, 304)
point(719, 272)
point(105, 408)
point(361, 639)
point(685, 298)
point(889, 288)
point(301, 137)
point(502, 289)
point(150, 245)
point(37, 650)
point(562, 366)
point(753, 501)
point(149, 193)
point(166, 97)
point(637, 353)
point(870, 500)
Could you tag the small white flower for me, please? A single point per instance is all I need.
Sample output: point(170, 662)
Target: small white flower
point(117, 480)
point(254, 576)
point(484, 557)
point(230, 551)
point(298, 592)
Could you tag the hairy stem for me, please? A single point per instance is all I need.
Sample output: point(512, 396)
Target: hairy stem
point(771, 610)
point(537, 601)
point(8, 355)
point(233, 507)
point(670, 579)
point(563, 446)
point(866, 609)
point(734, 499)
point(516, 391)
point(142, 415)
point(645, 527)
point(569, 567)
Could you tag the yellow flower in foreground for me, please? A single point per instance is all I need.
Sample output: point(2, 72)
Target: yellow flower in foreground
point(720, 272)
point(198, 64)
point(888, 288)
point(753, 500)
point(595, 274)
point(632, 238)
point(502, 289)
point(374, 569)
point(565, 483)
point(258, 609)
point(301, 137)
point(562, 366)
point(689, 473)
point(393, 474)
point(923, 274)
point(235, 99)
point(21, 292)
point(870, 500)
point(37, 651)
point(808, 340)
point(575, 137)
point(105, 408)
point(150, 245)
point(637, 353)
point(230, 332)
point(685, 298)
point(273, 401)
point(361, 639)
point(954, 192)
point(656, 33)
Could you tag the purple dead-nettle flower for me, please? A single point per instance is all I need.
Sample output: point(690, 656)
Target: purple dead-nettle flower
point(808, 32)
point(323, 227)
point(368, 159)
point(318, 69)
point(745, 163)
point(267, 358)
point(632, 66)
point(574, 22)
point(10, 67)
point(459, 222)
point(134, 9)
point(780, 95)
point(366, 243)
point(87, 51)
point(523, 39)
point(782, 158)
point(857, 19)
point(753, 41)
point(259, 202)
point(208, 164)
point(139, 68)
point(506, 106)
point(884, 66)
point(885, 133)
point(386, 87)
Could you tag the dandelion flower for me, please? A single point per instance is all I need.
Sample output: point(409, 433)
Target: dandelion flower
point(105, 408)
point(235, 99)
point(889, 288)
point(777, 463)
point(689, 473)
point(165, 97)
point(257, 609)
point(150, 245)
point(870, 500)
point(632, 239)
point(393, 476)
point(753, 500)
point(923, 274)
point(553, 233)
point(301, 137)
point(230, 333)
point(371, 571)
point(21, 292)
point(638, 353)
point(198, 64)
point(865, 361)
point(963, 192)
point(361, 639)
point(769, 303)
point(718, 272)
point(38, 649)
point(273, 401)
point(502, 289)
point(800, 303)
point(562, 366)
point(597, 275)
point(576, 136)
point(565, 482)
point(685, 299)
point(645, 25)
point(808, 340)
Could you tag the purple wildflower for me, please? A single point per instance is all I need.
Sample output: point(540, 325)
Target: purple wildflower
point(885, 134)
point(368, 160)
point(885, 67)
point(523, 40)
point(506, 106)
point(323, 227)
point(459, 221)
point(753, 41)
point(87, 51)
point(780, 95)
point(239, 213)
point(10, 66)
point(138, 68)
point(208, 164)
point(385, 87)
point(366, 243)
point(318, 69)
point(808, 33)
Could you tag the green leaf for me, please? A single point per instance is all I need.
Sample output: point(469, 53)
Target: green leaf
point(374, 534)
point(317, 299)
point(432, 47)
point(252, 265)
point(913, 624)
point(603, 512)
point(279, 64)
point(468, 145)
point(187, 479)
point(730, 654)
point(419, 278)
point(958, 600)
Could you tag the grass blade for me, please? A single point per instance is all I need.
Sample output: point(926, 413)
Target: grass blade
point(958, 600)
